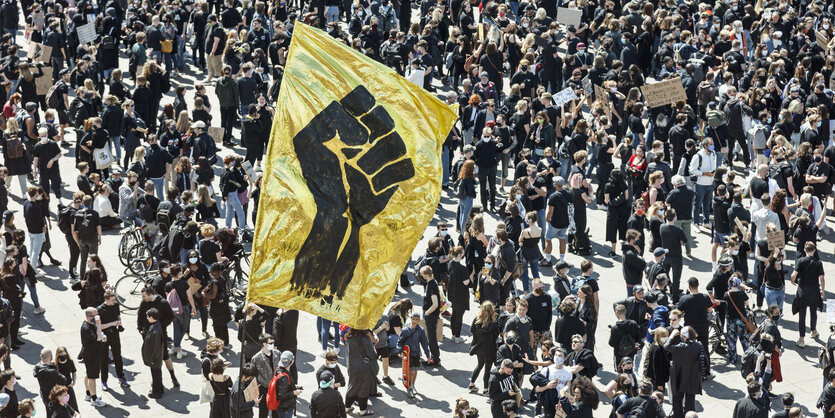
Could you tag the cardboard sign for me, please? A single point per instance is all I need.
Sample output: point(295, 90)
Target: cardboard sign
point(251, 391)
point(86, 33)
point(44, 82)
point(775, 239)
point(601, 94)
point(569, 17)
point(38, 20)
point(39, 52)
point(587, 86)
point(821, 39)
point(249, 170)
point(741, 227)
point(663, 93)
point(216, 133)
point(564, 97)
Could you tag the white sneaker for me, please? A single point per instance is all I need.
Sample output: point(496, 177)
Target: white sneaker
point(172, 351)
point(98, 403)
point(801, 343)
point(39, 273)
point(321, 353)
point(39, 310)
point(87, 398)
point(337, 350)
point(181, 355)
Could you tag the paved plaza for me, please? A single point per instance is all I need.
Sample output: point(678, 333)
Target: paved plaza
point(437, 388)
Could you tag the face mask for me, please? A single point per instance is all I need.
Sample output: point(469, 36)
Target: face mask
point(39, 198)
point(63, 358)
point(192, 260)
point(331, 365)
point(65, 398)
point(710, 148)
point(132, 183)
point(818, 160)
point(488, 266)
point(768, 121)
point(270, 347)
point(826, 26)
point(559, 360)
point(518, 197)
point(166, 270)
point(486, 139)
point(613, 89)
point(735, 252)
point(443, 233)
point(818, 124)
point(640, 212)
point(511, 340)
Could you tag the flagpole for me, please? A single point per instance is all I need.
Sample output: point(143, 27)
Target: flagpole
point(240, 369)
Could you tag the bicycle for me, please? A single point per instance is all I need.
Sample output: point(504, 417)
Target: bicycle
point(237, 273)
point(717, 340)
point(130, 237)
point(128, 289)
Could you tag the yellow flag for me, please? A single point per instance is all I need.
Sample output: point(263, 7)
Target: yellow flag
point(351, 180)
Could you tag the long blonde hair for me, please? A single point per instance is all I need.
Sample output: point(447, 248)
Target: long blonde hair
point(12, 127)
point(182, 121)
point(203, 196)
point(486, 313)
point(477, 226)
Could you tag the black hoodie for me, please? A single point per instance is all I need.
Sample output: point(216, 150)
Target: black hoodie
point(48, 377)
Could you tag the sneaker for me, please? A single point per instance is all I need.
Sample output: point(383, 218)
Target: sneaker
point(39, 310)
point(98, 403)
point(813, 334)
point(321, 353)
point(603, 207)
point(87, 398)
point(104, 386)
point(172, 351)
point(181, 355)
point(74, 281)
point(458, 340)
point(124, 382)
point(336, 350)
point(801, 343)
point(39, 273)
point(473, 389)
point(387, 380)
point(21, 333)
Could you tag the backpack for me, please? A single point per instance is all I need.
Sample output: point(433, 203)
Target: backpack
point(757, 133)
point(65, 215)
point(21, 117)
point(640, 410)
point(578, 282)
point(146, 211)
point(52, 99)
point(626, 345)
point(86, 229)
point(715, 118)
point(6, 312)
point(14, 148)
point(390, 52)
point(175, 302)
point(423, 260)
point(273, 402)
point(107, 43)
point(164, 219)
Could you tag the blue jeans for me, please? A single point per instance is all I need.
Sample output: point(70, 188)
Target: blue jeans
point(332, 14)
point(324, 326)
point(157, 55)
point(283, 413)
point(526, 282)
point(36, 243)
point(540, 220)
point(565, 168)
point(181, 52)
point(704, 195)
point(464, 207)
point(181, 324)
point(234, 208)
point(129, 221)
point(33, 293)
point(159, 185)
point(775, 297)
point(445, 162)
point(116, 142)
point(592, 159)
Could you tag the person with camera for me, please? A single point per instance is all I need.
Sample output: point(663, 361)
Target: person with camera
point(503, 387)
point(92, 344)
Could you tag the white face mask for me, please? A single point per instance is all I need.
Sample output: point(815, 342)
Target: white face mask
point(826, 25)
point(765, 52)
point(270, 347)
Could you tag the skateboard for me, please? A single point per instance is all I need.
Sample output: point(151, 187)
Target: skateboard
point(406, 382)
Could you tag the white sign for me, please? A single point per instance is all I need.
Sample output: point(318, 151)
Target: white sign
point(569, 17)
point(830, 311)
point(86, 33)
point(564, 97)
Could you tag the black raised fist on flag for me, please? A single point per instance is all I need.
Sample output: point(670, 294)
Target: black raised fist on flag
point(349, 191)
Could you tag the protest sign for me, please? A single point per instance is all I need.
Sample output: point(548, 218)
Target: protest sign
point(564, 97)
point(663, 93)
point(86, 33)
point(601, 94)
point(775, 239)
point(39, 52)
point(742, 229)
point(216, 133)
point(44, 82)
point(251, 391)
point(569, 17)
point(821, 39)
point(587, 86)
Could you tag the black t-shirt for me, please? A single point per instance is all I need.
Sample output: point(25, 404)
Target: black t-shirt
point(808, 271)
point(759, 187)
point(825, 170)
point(61, 90)
point(521, 328)
point(431, 289)
point(181, 286)
point(739, 298)
point(537, 202)
point(671, 239)
point(603, 156)
point(109, 313)
point(395, 321)
point(89, 342)
point(719, 284)
point(695, 306)
point(157, 158)
point(804, 235)
point(46, 151)
point(774, 278)
point(559, 200)
point(208, 251)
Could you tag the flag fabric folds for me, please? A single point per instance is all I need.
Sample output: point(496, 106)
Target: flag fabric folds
point(351, 179)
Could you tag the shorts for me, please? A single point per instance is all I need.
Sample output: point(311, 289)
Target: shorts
point(414, 362)
point(215, 65)
point(63, 119)
point(719, 238)
point(559, 233)
point(92, 365)
point(383, 352)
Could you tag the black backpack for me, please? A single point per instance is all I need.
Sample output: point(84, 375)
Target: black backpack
point(65, 217)
point(53, 99)
point(107, 43)
point(6, 311)
point(391, 52)
point(146, 211)
point(85, 226)
point(164, 219)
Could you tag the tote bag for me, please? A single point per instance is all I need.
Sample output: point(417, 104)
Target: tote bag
point(102, 157)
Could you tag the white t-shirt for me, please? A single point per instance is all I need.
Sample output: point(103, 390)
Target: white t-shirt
point(562, 375)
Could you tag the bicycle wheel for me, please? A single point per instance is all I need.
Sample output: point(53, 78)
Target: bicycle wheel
point(714, 338)
point(128, 291)
point(239, 280)
point(140, 259)
point(127, 241)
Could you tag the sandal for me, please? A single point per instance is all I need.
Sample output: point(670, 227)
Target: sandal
point(368, 412)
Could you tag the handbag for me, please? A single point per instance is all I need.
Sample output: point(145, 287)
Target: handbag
point(102, 157)
point(468, 63)
point(166, 45)
point(748, 325)
point(206, 392)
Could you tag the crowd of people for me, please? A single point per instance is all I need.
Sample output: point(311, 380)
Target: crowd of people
point(743, 157)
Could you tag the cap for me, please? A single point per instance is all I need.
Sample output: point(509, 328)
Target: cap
point(31, 106)
point(285, 359)
point(325, 379)
point(191, 227)
point(198, 125)
point(577, 71)
point(7, 215)
point(531, 7)
point(562, 264)
point(64, 71)
point(559, 181)
point(212, 18)
point(794, 89)
point(581, 45)
point(484, 74)
point(637, 289)
point(650, 298)
point(660, 251)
